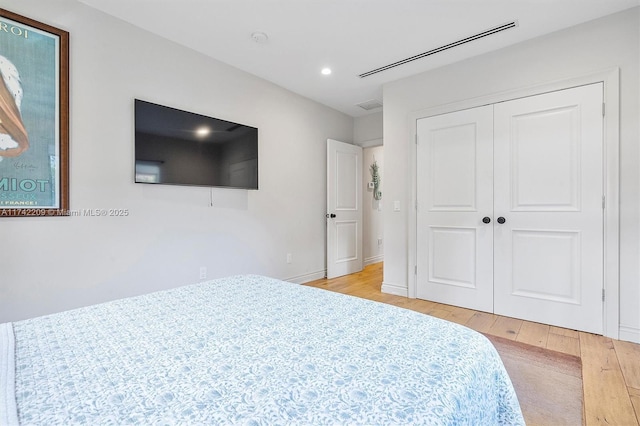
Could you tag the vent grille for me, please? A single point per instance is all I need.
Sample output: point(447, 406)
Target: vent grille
point(443, 48)
point(370, 104)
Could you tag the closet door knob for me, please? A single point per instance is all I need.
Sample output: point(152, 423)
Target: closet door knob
point(486, 219)
point(501, 220)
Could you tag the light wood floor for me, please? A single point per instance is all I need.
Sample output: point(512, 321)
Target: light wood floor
point(610, 368)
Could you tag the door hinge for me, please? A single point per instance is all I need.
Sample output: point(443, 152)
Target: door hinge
point(416, 139)
point(603, 202)
point(603, 109)
point(415, 270)
point(603, 294)
point(416, 205)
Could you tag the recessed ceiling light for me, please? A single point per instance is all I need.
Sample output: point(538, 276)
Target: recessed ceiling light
point(259, 37)
point(326, 71)
point(203, 131)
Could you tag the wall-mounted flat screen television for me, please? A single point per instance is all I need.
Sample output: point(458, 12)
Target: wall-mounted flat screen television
point(177, 147)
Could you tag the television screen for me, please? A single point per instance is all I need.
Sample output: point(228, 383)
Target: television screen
point(177, 147)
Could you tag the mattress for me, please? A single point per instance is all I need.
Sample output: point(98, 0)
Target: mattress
point(250, 350)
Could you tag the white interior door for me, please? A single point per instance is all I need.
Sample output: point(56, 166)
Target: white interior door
point(548, 184)
point(455, 193)
point(344, 208)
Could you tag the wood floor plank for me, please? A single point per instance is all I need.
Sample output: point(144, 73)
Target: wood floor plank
point(564, 332)
point(460, 315)
point(606, 399)
point(438, 313)
point(629, 359)
point(565, 344)
point(419, 305)
point(534, 334)
point(481, 322)
point(422, 306)
point(634, 394)
point(506, 327)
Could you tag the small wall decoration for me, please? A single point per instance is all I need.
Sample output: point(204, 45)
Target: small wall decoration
point(375, 177)
point(34, 118)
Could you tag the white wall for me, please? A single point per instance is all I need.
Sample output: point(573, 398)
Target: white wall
point(591, 47)
point(53, 264)
point(367, 132)
point(372, 218)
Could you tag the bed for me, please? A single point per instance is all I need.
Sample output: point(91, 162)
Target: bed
point(250, 350)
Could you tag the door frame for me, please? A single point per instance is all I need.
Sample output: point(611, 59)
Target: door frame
point(611, 167)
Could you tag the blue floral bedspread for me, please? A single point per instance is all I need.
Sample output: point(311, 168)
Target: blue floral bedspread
point(250, 350)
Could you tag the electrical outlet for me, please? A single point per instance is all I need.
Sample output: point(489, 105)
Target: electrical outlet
point(288, 257)
point(203, 272)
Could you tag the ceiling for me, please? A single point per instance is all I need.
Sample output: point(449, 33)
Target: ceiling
point(349, 36)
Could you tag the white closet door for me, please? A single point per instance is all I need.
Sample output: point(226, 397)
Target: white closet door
point(454, 192)
point(548, 261)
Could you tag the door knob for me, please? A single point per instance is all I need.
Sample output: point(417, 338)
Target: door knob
point(501, 220)
point(332, 215)
point(486, 219)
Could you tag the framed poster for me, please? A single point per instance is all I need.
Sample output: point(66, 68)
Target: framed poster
point(34, 118)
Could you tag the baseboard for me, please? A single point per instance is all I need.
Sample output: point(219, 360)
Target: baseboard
point(374, 259)
point(395, 289)
point(301, 279)
point(629, 334)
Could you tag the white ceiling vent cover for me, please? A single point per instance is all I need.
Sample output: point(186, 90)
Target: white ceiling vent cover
point(486, 33)
point(370, 104)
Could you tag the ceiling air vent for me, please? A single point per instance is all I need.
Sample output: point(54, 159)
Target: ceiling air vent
point(370, 104)
point(443, 48)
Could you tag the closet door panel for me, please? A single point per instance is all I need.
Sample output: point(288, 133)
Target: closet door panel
point(548, 187)
point(454, 192)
